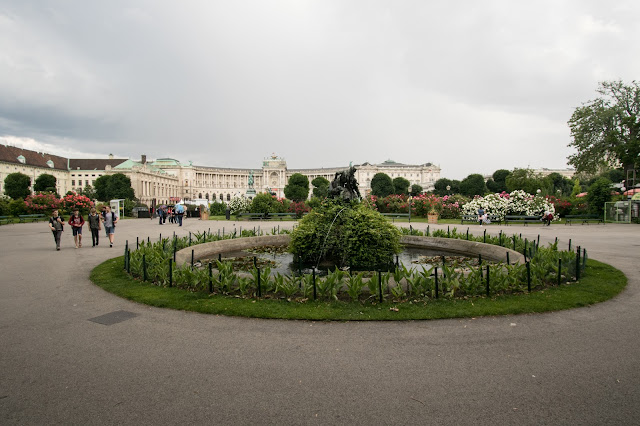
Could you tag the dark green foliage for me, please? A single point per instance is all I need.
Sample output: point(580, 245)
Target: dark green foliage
point(297, 188)
point(115, 186)
point(45, 182)
point(416, 190)
point(217, 208)
point(473, 185)
point(320, 187)
point(262, 203)
point(498, 183)
point(381, 185)
point(17, 207)
point(440, 187)
point(401, 185)
point(16, 185)
point(89, 191)
point(524, 179)
point(607, 129)
point(345, 234)
point(599, 193)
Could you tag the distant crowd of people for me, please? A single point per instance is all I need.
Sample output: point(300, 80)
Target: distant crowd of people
point(175, 214)
point(96, 221)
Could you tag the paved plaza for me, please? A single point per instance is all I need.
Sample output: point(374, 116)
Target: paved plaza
point(72, 353)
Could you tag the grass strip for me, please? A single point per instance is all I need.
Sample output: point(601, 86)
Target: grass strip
point(601, 283)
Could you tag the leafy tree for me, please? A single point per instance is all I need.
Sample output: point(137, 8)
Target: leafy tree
point(17, 207)
point(45, 182)
point(263, 203)
point(297, 189)
point(401, 185)
point(440, 187)
point(577, 188)
point(498, 183)
point(320, 187)
point(555, 183)
point(16, 185)
point(598, 194)
point(90, 192)
point(606, 130)
point(416, 190)
point(381, 185)
point(109, 187)
point(473, 185)
point(524, 179)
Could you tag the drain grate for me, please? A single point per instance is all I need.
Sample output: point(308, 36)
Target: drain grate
point(114, 317)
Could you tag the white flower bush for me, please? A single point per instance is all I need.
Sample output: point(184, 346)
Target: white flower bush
point(239, 205)
point(516, 203)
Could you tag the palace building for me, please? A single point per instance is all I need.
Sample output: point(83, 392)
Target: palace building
point(166, 180)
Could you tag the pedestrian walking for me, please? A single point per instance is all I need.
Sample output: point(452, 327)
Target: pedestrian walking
point(56, 224)
point(76, 221)
point(109, 219)
point(179, 213)
point(95, 226)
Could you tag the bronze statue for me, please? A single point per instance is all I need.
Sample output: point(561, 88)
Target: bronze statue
point(345, 185)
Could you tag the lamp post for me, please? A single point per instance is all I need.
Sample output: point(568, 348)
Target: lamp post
point(448, 189)
point(409, 200)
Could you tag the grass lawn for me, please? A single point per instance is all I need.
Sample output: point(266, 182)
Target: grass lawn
point(602, 282)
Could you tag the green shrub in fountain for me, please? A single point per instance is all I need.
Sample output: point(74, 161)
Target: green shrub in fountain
point(345, 233)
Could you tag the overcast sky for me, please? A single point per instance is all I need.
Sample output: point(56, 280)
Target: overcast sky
point(471, 86)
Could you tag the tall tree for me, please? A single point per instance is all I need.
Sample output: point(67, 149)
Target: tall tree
point(440, 187)
point(401, 185)
point(45, 182)
point(606, 130)
point(416, 190)
point(297, 188)
point(473, 185)
point(320, 187)
point(524, 179)
point(381, 185)
point(16, 185)
point(115, 186)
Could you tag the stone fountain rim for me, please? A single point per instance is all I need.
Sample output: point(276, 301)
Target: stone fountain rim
point(449, 245)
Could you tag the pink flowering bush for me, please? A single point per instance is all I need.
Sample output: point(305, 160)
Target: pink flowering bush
point(299, 208)
point(74, 201)
point(42, 202)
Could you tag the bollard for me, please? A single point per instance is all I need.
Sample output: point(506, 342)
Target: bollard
point(222, 232)
point(569, 244)
point(467, 234)
point(484, 237)
point(479, 259)
point(218, 234)
point(220, 257)
point(148, 240)
point(192, 251)
point(584, 258)
point(189, 238)
point(380, 285)
point(170, 273)
point(559, 270)
point(448, 234)
point(174, 252)
point(126, 248)
point(278, 229)
point(428, 230)
point(556, 243)
point(578, 264)
point(436, 275)
point(487, 280)
point(538, 240)
point(410, 230)
point(508, 263)
point(514, 243)
point(528, 276)
point(525, 247)
point(210, 277)
point(144, 267)
point(137, 243)
point(500, 239)
point(241, 231)
point(313, 271)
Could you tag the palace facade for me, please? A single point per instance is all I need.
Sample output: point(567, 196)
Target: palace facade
point(166, 180)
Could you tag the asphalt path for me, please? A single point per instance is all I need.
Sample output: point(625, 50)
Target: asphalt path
point(580, 366)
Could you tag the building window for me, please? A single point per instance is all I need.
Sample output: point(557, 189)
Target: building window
point(86, 182)
point(221, 197)
point(200, 195)
point(21, 159)
point(50, 163)
point(73, 183)
point(228, 197)
point(79, 183)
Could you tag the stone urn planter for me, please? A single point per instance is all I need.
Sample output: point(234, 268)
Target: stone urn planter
point(432, 217)
point(204, 215)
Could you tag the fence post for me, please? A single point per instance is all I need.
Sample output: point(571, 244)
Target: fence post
point(380, 284)
point(467, 234)
point(559, 270)
point(500, 239)
point(528, 276)
point(137, 243)
point(220, 257)
point(436, 274)
point(144, 267)
point(174, 252)
point(538, 240)
point(148, 240)
point(578, 264)
point(569, 244)
point(170, 273)
point(259, 283)
point(487, 280)
point(210, 277)
point(525, 247)
point(508, 263)
point(189, 238)
point(126, 248)
point(192, 250)
point(313, 271)
point(428, 230)
point(514, 242)
point(448, 233)
point(484, 237)
point(584, 258)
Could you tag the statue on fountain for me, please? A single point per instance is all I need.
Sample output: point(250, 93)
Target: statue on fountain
point(344, 185)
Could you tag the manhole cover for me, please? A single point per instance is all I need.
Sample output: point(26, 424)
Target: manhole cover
point(114, 317)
